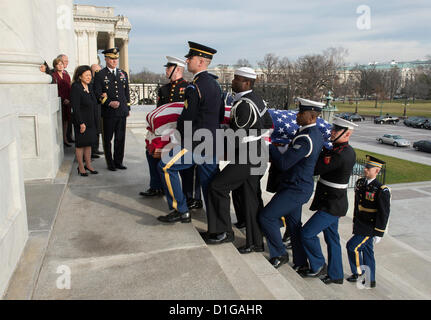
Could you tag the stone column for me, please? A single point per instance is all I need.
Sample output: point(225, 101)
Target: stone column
point(124, 55)
point(111, 43)
point(92, 46)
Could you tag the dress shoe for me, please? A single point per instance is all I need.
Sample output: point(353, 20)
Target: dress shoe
point(311, 274)
point(327, 280)
point(301, 269)
point(175, 216)
point(91, 171)
point(240, 225)
point(280, 260)
point(151, 192)
point(112, 168)
point(250, 249)
point(98, 152)
point(94, 156)
point(194, 204)
point(85, 174)
point(120, 166)
point(372, 284)
point(353, 278)
point(223, 237)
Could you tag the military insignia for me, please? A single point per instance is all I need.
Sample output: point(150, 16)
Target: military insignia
point(182, 90)
point(122, 76)
point(370, 196)
point(327, 160)
point(186, 104)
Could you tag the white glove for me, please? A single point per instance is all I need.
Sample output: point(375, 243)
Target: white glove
point(376, 240)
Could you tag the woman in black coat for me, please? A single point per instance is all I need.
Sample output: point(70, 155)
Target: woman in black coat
point(83, 105)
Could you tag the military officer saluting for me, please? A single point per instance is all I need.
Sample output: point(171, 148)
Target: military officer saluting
point(175, 90)
point(370, 218)
point(111, 86)
point(330, 201)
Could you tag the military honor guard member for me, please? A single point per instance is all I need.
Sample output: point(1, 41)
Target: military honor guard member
point(330, 201)
point(202, 108)
point(174, 91)
point(112, 89)
point(370, 218)
point(248, 112)
point(297, 184)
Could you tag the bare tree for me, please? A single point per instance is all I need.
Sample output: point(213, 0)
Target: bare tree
point(146, 76)
point(242, 63)
point(269, 66)
point(224, 74)
point(392, 81)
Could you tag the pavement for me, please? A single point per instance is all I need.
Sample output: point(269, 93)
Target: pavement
point(97, 232)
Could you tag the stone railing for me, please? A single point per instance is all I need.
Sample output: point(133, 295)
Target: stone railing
point(143, 93)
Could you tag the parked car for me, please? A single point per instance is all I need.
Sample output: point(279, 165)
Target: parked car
point(416, 122)
point(343, 115)
point(386, 119)
point(354, 117)
point(393, 139)
point(427, 125)
point(422, 145)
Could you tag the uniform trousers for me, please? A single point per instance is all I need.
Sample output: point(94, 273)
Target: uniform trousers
point(155, 173)
point(322, 221)
point(286, 202)
point(171, 180)
point(190, 183)
point(239, 200)
point(234, 177)
point(114, 127)
point(360, 250)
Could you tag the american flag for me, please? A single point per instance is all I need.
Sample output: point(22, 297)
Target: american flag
point(285, 127)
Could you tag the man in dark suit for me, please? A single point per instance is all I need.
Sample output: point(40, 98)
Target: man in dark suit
point(112, 89)
point(97, 116)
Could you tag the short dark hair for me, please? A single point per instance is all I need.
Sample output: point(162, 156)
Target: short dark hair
point(79, 71)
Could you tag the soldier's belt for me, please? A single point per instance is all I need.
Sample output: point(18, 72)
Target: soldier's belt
point(254, 138)
point(361, 208)
point(333, 185)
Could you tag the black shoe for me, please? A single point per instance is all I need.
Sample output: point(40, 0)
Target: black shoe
point(372, 284)
point(223, 237)
point(175, 216)
point(120, 166)
point(301, 269)
point(327, 280)
point(310, 274)
point(98, 152)
point(94, 156)
point(353, 278)
point(250, 249)
point(112, 168)
point(82, 174)
point(152, 192)
point(280, 260)
point(91, 171)
point(194, 204)
point(240, 225)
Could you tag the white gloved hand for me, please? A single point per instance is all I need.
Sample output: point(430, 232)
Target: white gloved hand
point(376, 240)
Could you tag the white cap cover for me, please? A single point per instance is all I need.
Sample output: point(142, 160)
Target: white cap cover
point(246, 72)
point(175, 61)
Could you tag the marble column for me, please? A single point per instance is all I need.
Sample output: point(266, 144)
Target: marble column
point(92, 47)
point(111, 43)
point(124, 55)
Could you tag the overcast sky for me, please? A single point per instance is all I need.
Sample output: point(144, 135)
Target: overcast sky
point(399, 30)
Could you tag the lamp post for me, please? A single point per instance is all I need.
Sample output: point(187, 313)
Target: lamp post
point(405, 108)
point(329, 109)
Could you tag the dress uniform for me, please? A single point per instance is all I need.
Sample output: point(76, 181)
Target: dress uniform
point(202, 107)
point(370, 218)
point(297, 184)
point(330, 201)
point(174, 91)
point(248, 112)
point(115, 83)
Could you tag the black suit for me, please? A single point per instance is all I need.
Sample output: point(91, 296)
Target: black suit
point(116, 88)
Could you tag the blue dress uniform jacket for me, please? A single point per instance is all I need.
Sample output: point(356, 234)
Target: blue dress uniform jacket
point(334, 166)
point(372, 205)
point(117, 89)
point(202, 105)
point(172, 92)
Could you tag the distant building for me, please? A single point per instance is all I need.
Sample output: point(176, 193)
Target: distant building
point(97, 28)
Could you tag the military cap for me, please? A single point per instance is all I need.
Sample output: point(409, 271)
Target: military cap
point(246, 72)
point(174, 61)
point(113, 53)
point(339, 123)
point(308, 105)
point(200, 50)
point(373, 162)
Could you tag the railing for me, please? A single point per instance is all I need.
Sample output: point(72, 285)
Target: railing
point(143, 93)
point(358, 172)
